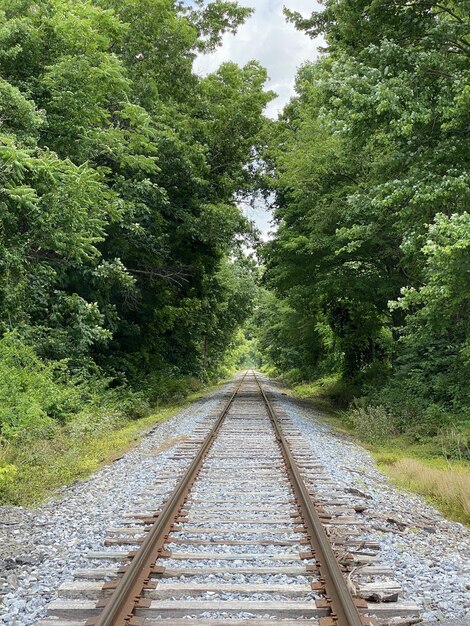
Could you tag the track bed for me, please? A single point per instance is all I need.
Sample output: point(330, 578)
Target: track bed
point(237, 534)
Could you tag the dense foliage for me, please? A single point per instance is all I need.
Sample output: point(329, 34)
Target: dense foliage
point(121, 244)
point(370, 172)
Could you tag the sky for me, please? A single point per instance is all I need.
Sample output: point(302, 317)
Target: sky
point(278, 46)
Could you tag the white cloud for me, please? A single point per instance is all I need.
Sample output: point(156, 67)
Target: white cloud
point(280, 48)
point(269, 39)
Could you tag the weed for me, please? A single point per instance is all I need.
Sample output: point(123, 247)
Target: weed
point(448, 487)
point(332, 388)
point(373, 424)
point(38, 467)
point(455, 442)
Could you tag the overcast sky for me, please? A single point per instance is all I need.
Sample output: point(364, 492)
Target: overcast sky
point(277, 45)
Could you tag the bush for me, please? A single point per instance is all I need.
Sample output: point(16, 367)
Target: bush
point(294, 376)
point(332, 388)
point(373, 423)
point(32, 394)
point(455, 442)
point(7, 475)
point(94, 423)
point(133, 405)
point(163, 387)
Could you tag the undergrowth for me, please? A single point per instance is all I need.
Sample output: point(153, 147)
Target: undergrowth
point(33, 471)
point(331, 388)
point(57, 427)
point(435, 465)
point(444, 484)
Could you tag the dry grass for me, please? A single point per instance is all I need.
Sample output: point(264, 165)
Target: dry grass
point(169, 444)
point(449, 487)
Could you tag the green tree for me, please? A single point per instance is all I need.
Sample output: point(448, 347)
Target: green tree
point(374, 149)
point(122, 169)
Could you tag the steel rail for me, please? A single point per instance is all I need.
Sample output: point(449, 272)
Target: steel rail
point(343, 609)
point(119, 609)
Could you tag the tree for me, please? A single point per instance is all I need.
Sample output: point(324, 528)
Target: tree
point(368, 162)
point(122, 172)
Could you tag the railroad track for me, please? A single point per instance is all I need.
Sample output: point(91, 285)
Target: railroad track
point(244, 528)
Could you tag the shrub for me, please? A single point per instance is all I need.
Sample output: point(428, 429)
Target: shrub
point(373, 423)
point(32, 393)
point(133, 405)
point(455, 442)
point(294, 376)
point(7, 475)
point(331, 388)
point(163, 387)
point(94, 423)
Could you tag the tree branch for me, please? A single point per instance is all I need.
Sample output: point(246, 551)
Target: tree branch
point(178, 277)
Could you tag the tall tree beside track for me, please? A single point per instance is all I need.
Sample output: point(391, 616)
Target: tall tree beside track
point(120, 169)
point(370, 170)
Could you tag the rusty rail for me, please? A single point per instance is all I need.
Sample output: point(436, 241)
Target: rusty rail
point(343, 608)
point(127, 595)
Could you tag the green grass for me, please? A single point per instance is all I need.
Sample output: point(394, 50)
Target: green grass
point(329, 390)
point(43, 466)
point(417, 466)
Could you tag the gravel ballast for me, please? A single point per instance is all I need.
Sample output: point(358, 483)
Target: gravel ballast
point(40, 548)
point(430, 556)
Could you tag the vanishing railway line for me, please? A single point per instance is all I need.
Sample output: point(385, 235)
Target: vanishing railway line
point(237, 532)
